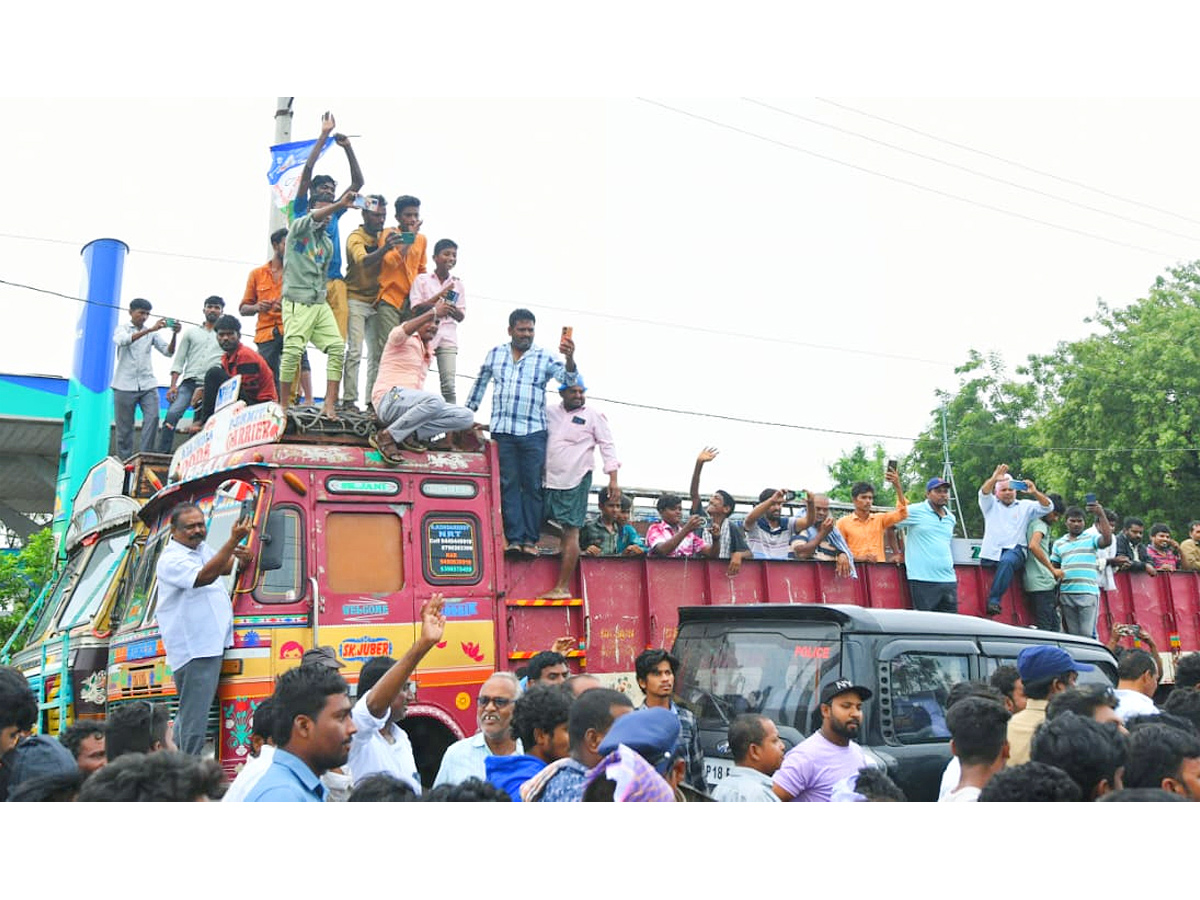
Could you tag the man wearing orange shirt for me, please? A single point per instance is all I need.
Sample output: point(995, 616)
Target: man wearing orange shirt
point(264, 288)
point(399, 268)
point(863, 529)
point(410, 414)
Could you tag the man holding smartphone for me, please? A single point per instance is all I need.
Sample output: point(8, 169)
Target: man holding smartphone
point(1006, 527)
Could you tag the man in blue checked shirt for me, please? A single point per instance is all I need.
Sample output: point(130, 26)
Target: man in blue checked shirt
point(521, 372)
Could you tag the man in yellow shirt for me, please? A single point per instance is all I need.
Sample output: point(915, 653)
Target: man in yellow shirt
point(863, 529)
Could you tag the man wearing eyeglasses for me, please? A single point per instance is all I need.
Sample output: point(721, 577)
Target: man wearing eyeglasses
point(466, 758)
point(195, 616)
point(384, 691)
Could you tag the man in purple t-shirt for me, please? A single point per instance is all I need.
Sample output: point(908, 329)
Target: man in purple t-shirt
point(812, 768)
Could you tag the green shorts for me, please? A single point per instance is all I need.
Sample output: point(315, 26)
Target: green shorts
point(569, 507)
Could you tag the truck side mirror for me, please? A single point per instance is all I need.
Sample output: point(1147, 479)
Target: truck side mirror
point(270, 556)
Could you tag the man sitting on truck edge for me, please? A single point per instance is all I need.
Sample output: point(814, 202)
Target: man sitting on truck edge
point(313, 730)
point(757, 755)
point(656, 671)
point(258, 382)
point(1045, 670)
point(813, 767)
point(1005, 528)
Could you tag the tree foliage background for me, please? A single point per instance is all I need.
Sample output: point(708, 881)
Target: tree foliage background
point(1116, 413)
point(22, 577)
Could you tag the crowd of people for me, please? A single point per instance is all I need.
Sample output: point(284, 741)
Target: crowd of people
point(1028, 733)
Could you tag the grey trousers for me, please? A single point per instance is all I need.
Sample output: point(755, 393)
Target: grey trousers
point(362, 324)
point(124, 403)
point(447, 360)
point(197, 685)
point(404, 411)
point(1079, 613)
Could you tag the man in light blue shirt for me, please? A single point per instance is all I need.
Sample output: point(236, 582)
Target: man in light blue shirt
point(313, 730)
point(133, 381)
point(758, 754)
point(927, 558)
point(467, 758)
point(195, 616)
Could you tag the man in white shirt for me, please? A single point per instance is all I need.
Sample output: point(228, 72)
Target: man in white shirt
point(467, 758)
point(1006, 529)
point(384, 689)
point(195, 616)
point(133, 381)
point(1137, 680)
point(979, 741)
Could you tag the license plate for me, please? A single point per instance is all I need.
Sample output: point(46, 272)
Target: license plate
point(716, 770)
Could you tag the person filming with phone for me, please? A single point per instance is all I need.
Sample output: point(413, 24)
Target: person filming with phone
point(1006, 527)
point(195, 615)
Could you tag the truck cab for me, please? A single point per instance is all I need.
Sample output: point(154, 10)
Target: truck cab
point(773, 659)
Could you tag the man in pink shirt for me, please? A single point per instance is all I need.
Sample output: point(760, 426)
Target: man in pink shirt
point(429, 287)
point(409, 414)
point(573, 434)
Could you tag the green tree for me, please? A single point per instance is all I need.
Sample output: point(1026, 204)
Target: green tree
point(22, 577)
point(861, 464)
point(990, 419)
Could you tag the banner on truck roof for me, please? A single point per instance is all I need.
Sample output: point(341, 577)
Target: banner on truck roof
point(234, 428)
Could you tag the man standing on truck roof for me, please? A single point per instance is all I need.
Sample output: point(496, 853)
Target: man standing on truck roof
point(656, 671)
point(195, 616)
point(863, 529)
point(812, 768)
point(928, 561)
point(575, 432)
point(466, 758)
point(1045, 670)
point(518, 425)
point(1006, 527)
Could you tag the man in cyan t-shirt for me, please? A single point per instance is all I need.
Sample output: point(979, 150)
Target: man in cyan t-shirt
point(928, 560)
point(812, 768)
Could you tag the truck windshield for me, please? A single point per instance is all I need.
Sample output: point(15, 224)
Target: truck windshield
point(774, 671)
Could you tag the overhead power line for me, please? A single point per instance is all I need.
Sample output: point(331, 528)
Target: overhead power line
point(970, 171)
point(921, 187)
point(1043, 173)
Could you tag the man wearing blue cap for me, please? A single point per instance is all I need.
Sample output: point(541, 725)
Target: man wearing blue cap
point(574, 433)
point(928, 560)
point(1045, 670)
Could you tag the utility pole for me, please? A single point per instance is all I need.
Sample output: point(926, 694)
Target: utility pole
point(948, 475)
point(283, 134)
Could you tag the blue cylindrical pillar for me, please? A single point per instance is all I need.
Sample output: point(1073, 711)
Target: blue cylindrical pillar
point(88, 418)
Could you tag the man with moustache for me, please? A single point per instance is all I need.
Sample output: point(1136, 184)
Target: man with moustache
point(518, 426)
point(813, 767)
point(258, 382)
point(197, 352)
point(575, 432)
point(928, 561)
point(822, 540)
point(465, 759)
point(1006, 529)
point(411, 415)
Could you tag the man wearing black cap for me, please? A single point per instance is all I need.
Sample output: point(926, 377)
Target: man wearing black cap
point(813, 767)
point(928, 560)
point(1045, 671)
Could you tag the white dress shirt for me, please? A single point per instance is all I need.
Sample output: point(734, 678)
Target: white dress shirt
point(195, 622)
point(133, 371)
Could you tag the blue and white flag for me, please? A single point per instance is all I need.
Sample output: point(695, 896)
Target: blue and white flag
point(287, 162)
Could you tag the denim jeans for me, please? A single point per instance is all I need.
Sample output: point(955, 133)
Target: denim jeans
point(1011, 561)
point(166, 434)
point(522, 463)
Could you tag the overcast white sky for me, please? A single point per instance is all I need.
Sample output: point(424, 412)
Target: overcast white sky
point(758, 265)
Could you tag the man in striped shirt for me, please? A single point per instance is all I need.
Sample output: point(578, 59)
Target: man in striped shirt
point(1075, 554)
point(518, 423)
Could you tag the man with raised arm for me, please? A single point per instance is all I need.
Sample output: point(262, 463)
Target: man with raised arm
point(323, 187)
point(1006, 527)
point(863, 529)
point(379, 744)
point(723, 539)
point(518, 426)
point(195, 616)
point(410, 414)
point(769, 533)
